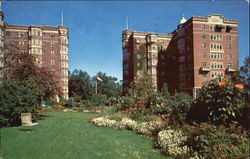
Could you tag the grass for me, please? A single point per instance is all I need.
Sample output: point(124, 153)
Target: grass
point(66, 135)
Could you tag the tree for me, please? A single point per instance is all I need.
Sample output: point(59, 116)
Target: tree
point(80, 84)
point(14, 100)
point(142, 88)
point(24, 69)
point(109, 85)
point(245, 71)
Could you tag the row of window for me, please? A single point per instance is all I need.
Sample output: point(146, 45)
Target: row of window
point(64, 64)
point(64, 56)
point(216, 46)
point(217, 74)
point(64, 80)
point(64, 48)
point(36, 32)
point(35, 50)
point(36, 42)
point(218, 37)
point(216, 55)
point(32, 32)
point(64, 72)
point(216, 65)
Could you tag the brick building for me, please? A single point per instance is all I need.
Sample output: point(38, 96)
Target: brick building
point(48, 44)
point(198, 50)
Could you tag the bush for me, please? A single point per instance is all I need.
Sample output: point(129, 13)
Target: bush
point(98, 99)
point(14, 100)
point(126, 102)
point(217, 141)
point(70, 103)
point(51, 103)
point(179, 108)
point(219, 103)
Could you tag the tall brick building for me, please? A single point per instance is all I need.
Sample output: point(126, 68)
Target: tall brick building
point(198, 50)
point(48, 44)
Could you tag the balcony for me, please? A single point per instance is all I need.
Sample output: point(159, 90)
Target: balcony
point(217, 50)
point(231, 69)
point(205, 68)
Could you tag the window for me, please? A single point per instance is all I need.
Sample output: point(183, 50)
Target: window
point(202, 26)
point(203, 64)
point(228, 46)
point(203, 36)
point(203, 55)
point(229, 56)
point(52, 52)
point(52, 44)
point(21, 43)
point(229, 37)
point(210, 27)
point(203, 46)
point(52, 62)
point(20, 34)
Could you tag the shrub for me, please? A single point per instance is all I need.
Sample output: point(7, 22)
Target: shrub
point(70, 103)
point(179, 108)
point(51, 103)
point(217, 141)
point(98, 99)
point(220, 102)
point(14, 100)
point(126, 102)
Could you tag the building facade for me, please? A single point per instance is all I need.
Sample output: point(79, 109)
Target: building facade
point(198, 50)
point(142, 54)
point(48, 44)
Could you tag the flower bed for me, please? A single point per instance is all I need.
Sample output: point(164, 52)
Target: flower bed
point(170, 141)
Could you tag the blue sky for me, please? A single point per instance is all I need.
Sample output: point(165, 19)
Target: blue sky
point(95, 28)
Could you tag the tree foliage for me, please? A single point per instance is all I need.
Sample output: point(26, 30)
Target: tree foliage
point(142, 88)
point(80, 84)
point(245, 71)
point(14, 100)
point(22, 68)
point(109, 85)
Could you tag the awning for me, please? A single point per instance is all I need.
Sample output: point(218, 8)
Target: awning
point(229, 27)
point(219, 26)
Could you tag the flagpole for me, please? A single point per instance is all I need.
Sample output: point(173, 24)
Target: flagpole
point(95, 86)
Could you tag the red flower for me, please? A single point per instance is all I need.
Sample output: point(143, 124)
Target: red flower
point(240, 86)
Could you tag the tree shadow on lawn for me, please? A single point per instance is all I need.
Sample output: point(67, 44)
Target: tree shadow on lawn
point(23, 129)
point(37, 117)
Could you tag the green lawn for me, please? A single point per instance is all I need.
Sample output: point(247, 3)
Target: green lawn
point(66, 135)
